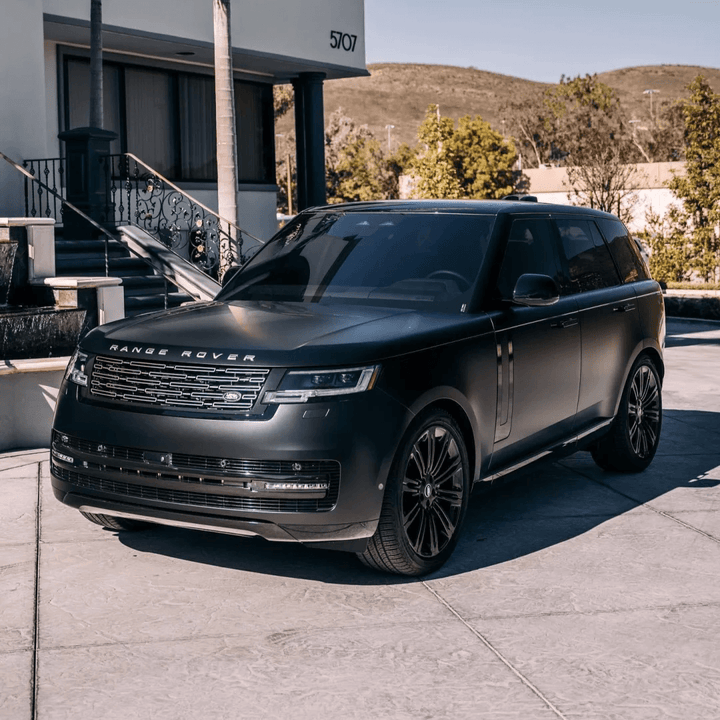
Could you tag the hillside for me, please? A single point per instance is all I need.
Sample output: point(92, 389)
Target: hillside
point(398, 94)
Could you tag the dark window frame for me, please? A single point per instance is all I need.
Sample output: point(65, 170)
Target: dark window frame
point(267, 122)
point(553, 240)
point(570, 285)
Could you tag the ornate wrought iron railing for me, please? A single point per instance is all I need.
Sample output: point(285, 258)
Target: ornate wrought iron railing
point(62, 203)
point(40, 202)
point(139, 195)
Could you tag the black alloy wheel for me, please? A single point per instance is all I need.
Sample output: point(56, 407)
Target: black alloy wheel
point(632, 441)
point(425, 501)
point(644, 412)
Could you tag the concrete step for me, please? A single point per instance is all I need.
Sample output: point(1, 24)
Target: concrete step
point(145, 285)
point(85, 264)
point(68, 247)
point(137, 304)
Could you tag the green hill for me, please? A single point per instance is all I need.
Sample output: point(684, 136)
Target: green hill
point(398, 94)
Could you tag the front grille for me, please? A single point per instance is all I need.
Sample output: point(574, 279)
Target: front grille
point(214, 388)
point(103, 460)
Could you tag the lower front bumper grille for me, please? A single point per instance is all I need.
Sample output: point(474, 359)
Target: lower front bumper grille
point(184, 497)
point(141, 474)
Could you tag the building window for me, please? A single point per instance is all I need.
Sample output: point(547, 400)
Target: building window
point(167, 119)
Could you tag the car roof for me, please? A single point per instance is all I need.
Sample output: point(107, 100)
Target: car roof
point(481, 207)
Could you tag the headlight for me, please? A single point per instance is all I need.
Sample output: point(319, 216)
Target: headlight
point(76, 369)
point(299, 386)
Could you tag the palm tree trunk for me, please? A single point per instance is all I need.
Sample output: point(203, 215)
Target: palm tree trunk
point(225, 128)
point(96, 70)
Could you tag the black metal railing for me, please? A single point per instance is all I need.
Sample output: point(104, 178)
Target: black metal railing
point(63, 202)
point(40, 202)
point(139, 195)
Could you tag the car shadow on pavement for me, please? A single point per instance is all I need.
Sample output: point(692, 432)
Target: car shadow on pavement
point(539, 507)
point(682, 333)
point(673, 341)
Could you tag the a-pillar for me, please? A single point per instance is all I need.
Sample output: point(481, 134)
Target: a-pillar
point(310, 139)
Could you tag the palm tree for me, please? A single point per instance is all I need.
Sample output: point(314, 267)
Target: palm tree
point(225, 129)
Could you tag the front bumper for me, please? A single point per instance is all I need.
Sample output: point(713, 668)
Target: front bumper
point(209, 473)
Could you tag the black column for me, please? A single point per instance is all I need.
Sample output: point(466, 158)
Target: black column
point(87, 179)
point(310, 139)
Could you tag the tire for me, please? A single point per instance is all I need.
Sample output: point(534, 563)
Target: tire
point(632, 441)
point(425, 500)
point(115, 523)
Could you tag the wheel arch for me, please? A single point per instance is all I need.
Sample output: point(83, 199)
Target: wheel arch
point(457, 412)
point(648, 350)
point(657, 359)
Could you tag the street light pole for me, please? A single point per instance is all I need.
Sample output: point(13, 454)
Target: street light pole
point(389, 128)
point(651, 93)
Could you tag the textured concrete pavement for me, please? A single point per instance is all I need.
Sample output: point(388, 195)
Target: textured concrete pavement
point(572, 594)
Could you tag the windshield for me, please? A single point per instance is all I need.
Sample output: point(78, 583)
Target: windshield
point(410, 260)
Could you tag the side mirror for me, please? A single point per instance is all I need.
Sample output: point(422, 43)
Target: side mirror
point(535, 290)
point(230, 273)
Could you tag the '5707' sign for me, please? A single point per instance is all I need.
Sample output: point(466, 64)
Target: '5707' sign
point(342, 40)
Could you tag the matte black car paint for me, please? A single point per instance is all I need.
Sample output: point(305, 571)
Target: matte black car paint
point(520, 381)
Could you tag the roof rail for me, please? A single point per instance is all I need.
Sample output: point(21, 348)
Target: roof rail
point(523, 198)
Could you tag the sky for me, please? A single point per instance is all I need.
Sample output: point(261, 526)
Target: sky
point(543, 40)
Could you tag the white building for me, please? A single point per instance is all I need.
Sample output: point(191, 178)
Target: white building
point(158, 87)
point(648, 191)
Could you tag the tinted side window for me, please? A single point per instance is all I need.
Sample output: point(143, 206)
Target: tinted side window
point(530, 249)
point(585, 258)
point(624, 251)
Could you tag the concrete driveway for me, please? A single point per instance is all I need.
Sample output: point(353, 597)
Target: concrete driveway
point(572, 594)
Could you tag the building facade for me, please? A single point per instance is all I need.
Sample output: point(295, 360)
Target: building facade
point(648, 191)
point(158, 87)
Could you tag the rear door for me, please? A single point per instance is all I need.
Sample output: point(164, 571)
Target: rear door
point(609, 317)
point(538, 350)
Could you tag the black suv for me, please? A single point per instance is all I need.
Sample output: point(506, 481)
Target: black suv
point(352, 381)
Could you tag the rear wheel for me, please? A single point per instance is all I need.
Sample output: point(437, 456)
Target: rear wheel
point(632, 441)
point(115, 523)
point(425, 501)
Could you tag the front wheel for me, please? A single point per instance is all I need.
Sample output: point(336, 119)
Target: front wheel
point(632, 441)
point(425, 501)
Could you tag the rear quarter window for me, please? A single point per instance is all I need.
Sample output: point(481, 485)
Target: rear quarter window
point(624, 251)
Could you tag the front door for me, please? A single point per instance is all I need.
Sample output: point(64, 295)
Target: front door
point(538, 351)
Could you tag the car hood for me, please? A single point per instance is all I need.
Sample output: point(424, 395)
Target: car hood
point(280, 334)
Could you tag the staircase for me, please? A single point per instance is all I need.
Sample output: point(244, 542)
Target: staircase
point(143, 288)
point(162, 232)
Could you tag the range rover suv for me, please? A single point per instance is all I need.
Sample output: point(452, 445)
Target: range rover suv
point(352, 381)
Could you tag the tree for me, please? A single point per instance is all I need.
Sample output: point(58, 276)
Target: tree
point(398, 164)
point(226, 140)
point(699, 188)
point(663, 142)
point(595, 143)
point(668, 246)
point(434, 168)
point(484, 160)
point(530, 124)
point(355, 167)
point(470, 161)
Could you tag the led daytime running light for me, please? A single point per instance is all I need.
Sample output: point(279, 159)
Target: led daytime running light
point(298, 386)
point(75, 372)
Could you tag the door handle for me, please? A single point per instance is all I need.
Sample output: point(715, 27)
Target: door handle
point(566, 323)
point(627, 307)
